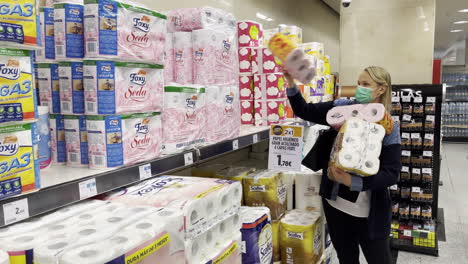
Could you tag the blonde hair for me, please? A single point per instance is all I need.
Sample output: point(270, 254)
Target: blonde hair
point(382, 77)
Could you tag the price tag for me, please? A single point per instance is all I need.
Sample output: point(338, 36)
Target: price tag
point(416, 170)
point(87, 188)
point(255, 138)
point(429, 136)
point(415, 135)
point(430, 118)
point(418, 99)
point(406, 99)
point(427, 153)
point(16, 211)
point(396, 118)
point(430, 99)
point(406, 117)
point(395, 99)
point(405, 169)
point(145, 171)
point(285, 152)
point(235, 144)
point(188, 158)
point(407, 233)
point(427, 171)
point(416, 190)
point(394, 187)
point(405, 135)
point(406, 153)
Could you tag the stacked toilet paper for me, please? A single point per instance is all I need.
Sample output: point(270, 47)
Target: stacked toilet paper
point(307, 190)
point(257, 235)
point(169, 56)
point(263, 61)
point(247, 112)
point(58, 144)
point(270, 98)
point(183, 118)
point(268, 112)
point(374, 113)
point(208, 170)
point(301, 237)
point(76, 140)
point(49, 86)
point(47, 51)
point(123, 31)
point(250, 33)
point(294, 33)
point(234, 173)
point(357, 147)
point(71, 87)
point(183, 58)
point(117, 140)
point(266, 188)
point(189, 19)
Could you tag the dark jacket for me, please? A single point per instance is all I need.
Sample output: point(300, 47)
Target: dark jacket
point(380, 214)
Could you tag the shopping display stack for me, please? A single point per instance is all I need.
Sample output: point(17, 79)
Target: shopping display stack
point(455, 107)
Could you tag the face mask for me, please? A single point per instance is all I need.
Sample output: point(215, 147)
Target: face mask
point(364, 95)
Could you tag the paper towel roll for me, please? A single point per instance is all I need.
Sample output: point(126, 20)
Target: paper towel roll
point(348, 159)
point(307, 190)
point(183, 58)
point(370, 166)
point(4, 258)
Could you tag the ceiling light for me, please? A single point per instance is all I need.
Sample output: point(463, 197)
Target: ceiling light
point(261, 16)
point(269, 19)
point(456, 30)
point(460, 22)
point(463, 10)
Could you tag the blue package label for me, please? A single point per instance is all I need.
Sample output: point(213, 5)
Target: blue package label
point(60, 134)
point(43, 134)
point(36, 137)
point(48, 28)
point(10, 187)
point(114, 141)
point(83, 140)
point(107, 27)
point(74, 31)
point(54, 78)
point(77, 87)
point(11, 112)
point(106, 87)
point(258, 239)
point(11, 32)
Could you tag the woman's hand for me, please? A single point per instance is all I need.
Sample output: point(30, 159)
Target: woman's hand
point(340, 176)
point(289, 79)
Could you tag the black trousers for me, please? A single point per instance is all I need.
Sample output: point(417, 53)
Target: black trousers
point(348, 232)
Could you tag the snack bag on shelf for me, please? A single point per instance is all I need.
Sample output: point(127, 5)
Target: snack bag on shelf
point(357, 147)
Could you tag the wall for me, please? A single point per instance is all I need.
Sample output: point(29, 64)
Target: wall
point(319, 22)
point(397, 35)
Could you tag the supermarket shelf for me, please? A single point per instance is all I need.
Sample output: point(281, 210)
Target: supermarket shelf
point(455, 139)
point(61, 184)
point(456, 126)
point(456, 100)
point(407, 245)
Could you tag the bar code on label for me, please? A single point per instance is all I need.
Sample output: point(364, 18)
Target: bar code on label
point(59, 50)
point(90, 107)
point(99, 160)
point(91, 47)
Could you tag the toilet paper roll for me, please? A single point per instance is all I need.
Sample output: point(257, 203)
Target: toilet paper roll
point(355, 126)
point(307, 75)
point(73, 210)
point(246, 87)
point(221, 232)
point(370, 166)
point(194, 212)
point(250, 33)
point(22, 244)
point(76, 139)
point(247, 112)
point(209, 239)
point(376, 132)
point(183, 58)
point(234, 190)
point(223, 201)
point(348, 159)
point(68, 31)
point(195, 251)
point(337, 116)
point(376, 113)
point(204, 55)
point(92, 253)
point(4, 258)
point(281, 46)
point(245, 60)
point(234, 224)
point(295, 59)
point(49, 251)
point(307, 190)
point(373, 148)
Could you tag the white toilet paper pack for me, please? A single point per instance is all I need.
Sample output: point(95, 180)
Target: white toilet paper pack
point(257, 235)
point(116, 30)
point(183, 118)
point(4, 257)
point(49, 86)
point(71, 87)
point(169, 59)
point(112, 87)
point(47, 51)
point(307, 190)
point(117, 140)
point(183, 58)
point(76, 140)
point(189, 19)
point(68, 31)
point(57, 134)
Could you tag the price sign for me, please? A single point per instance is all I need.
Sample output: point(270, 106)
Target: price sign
point(406, 117)
point(394, 187)
point(395, 99)
point(396, 118)
point(416, 171)
point(235, 144)
point(418, 100)
point(406, 153)
point(145, 171)
point(285, 148)
point(255, 138)
point(416, 190)
point(429, 136)
point(430, 118)
point(427, 153)
point(15, 211)
point(188, 158)
point(415, 136)
point(407, 233)
point(87, 188)
point(427, 171)
point(405, 169)
point(430, 100)
point(405, 135)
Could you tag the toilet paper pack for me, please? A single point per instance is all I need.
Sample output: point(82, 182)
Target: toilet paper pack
point(117, 140)
point(19, 26)
point(112, 87)
point(47, 51)
point(71, 87)
point(234, 173)
point(268, 34)
point(315, 49)
point(246, 87)
point(257, 235)
point(269, 86)
point(183, 118)
point(270, 111)
point(18, 96)
point(57, 134)
point(76, 140)
point(43, 129)
point(229, 253)
point(247, 112)
point(246, 59)
point(17, 173)
point(301, 237)
point(263, 61)
point(357, 147)
point(68, 31)
point(222, 113)
point(294, 33)
point(183, 58)
point(189, 19)
point(116, 30)
point(169, 59)
point(307, 190)
point(275, 224)
point(266, 188)
point(49, 86)
point(250, 33)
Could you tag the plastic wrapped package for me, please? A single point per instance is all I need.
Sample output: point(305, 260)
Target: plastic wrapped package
point(19, 24)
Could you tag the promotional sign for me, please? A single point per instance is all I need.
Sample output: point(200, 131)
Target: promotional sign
point(285, 148)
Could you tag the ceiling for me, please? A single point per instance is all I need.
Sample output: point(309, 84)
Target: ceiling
point(446, 14)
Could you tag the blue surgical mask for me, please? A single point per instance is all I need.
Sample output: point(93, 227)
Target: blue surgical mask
point(364, 95)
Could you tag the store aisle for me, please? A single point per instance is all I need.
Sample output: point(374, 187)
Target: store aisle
point(453, 198)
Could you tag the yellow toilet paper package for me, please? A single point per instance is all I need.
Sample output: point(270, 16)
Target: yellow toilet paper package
point(276, 245)
point(266, 188)
point(17, 172)
point(301, 237)
point(17, 101)
point(19, 23)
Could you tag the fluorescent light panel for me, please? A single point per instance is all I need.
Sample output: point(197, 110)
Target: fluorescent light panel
point(460, 22)
point(456, 30)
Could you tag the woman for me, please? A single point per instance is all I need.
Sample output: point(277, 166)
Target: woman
point(358, 210)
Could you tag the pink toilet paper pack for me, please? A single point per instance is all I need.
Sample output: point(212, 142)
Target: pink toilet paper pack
point(269, 112)
point(183, 58)
point(71, 87)
point(247, 112)
point(269, 86)
point(169, 59)
point(76, 140)
point(246, 56)
point(189, 19)
point(115, 30)
point(117, 140)
point(250, 33)
point(183, 118)
point(264, 61)
point(113, 87)
point(246, 87)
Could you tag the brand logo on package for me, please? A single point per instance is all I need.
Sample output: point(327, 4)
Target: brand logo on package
point(178, 56)
point(156, 186)
point(199, 54)
point(191, 104)
point(11, 70)
point(108, 8)
point(407, 93)
point(257, 188)
point(142, 139)
point(226, 49)
point(106, 68)
point(79, 69)
point(9, 146)
point(142, 23)
point(295, 235)
point(176, 20)
point(114, 122)
point(51, 14)
point(75, 11)
point(229, 99)
point(139, 77)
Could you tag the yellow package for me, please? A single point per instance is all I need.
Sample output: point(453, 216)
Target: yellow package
point(266, 188)
point(276, 247)
point(425, 239)
point(19, 23)
point(281, 46)
point(16, 86)
point(17, 172)
point(301, 237)
point(208, 171)
point(326, 65)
